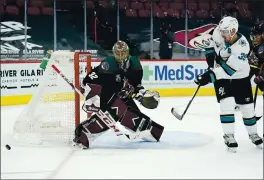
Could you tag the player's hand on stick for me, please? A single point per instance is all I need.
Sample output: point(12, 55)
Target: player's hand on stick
point(206, 78)
point(126, 91)
point(259, 80)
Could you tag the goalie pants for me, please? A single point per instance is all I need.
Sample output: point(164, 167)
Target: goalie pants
point(129, 115)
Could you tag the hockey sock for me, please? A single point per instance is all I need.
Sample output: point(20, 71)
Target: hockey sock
point(227, 115)
point(228, 123)
point(249, 118)
point(251, 125)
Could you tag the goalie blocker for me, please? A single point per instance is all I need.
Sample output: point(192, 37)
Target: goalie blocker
point(117, 110)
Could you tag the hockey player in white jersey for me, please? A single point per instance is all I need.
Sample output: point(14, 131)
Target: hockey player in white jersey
point(231, 80)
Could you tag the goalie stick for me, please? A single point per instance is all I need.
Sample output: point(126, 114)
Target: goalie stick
point(109, 122)
point(176, 114)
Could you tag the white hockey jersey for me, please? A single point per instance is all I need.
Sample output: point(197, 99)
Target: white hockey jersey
point(235, 63)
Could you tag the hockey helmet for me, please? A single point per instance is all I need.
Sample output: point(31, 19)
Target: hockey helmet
point(120, 51)
point(228, 27)
point(257, 33)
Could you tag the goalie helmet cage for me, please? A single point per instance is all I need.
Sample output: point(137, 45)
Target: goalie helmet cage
point(54, 110)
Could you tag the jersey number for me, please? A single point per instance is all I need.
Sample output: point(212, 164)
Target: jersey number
point(93, 75)
point(242, 57)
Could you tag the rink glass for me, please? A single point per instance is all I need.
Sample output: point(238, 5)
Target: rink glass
point(78, 25)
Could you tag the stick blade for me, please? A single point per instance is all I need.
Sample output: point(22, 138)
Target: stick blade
point(258, 118)
point(177, 115)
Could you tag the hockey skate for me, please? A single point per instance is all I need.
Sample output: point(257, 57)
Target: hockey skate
point(230, 142)
point(256, 140)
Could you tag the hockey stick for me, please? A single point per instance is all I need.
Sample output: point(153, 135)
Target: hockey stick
point(255, 96)
point(177, 115)
point(109, 122)
point(255, 101)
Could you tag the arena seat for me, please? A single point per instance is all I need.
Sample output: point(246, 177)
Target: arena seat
point(20, 3)
point(12, 9)
point(131, 13)
point(143, 13)
point(35, 11)
point(47, 11)
point(230, 6)
point(36, 3)
point(192, 6)
point(204, 6)
point(136, 5)
point(177, 6)
point(200, 13)
point(89, 4)
point(215, 13)
point(124, 5)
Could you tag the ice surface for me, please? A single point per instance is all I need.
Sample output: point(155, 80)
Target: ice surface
point(191, 148)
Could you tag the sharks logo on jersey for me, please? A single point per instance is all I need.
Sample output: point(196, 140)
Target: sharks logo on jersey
point(242, 42)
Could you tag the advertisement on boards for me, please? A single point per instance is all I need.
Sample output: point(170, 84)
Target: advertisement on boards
point(19, 78)
point(172, 74)
point(24, 78)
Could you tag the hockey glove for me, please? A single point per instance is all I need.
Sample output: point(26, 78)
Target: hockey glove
point(252, 59)
point(148, 99)
point(92, 98)
point(259, 80)
point(210, 57)
point(218, 59)
point(206, 78)
point(126, 91)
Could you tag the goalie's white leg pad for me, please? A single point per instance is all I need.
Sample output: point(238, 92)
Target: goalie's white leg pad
point(89, 130)
point(154, 133)
point(142, 125)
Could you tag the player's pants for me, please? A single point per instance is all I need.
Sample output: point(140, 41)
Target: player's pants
point(237, 91)
point(240, 89)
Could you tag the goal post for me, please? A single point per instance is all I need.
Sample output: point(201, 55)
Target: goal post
point(55, 108)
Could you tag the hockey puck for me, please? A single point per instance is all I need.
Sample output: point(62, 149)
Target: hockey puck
point(8, 147)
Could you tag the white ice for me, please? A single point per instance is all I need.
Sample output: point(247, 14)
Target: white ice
point(191, 148)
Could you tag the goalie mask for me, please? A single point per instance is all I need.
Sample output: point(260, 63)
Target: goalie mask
point(120, 51)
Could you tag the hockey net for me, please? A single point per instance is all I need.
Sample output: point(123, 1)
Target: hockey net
point(54, 110)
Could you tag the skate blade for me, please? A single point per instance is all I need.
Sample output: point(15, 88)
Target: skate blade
point(232, 150)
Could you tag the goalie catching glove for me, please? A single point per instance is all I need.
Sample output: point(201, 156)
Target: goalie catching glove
point(147, 98)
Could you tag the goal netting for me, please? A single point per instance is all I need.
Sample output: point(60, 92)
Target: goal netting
point(54, 110)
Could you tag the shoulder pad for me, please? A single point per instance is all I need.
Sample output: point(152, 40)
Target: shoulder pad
point(108, 65)
point(135, 62)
